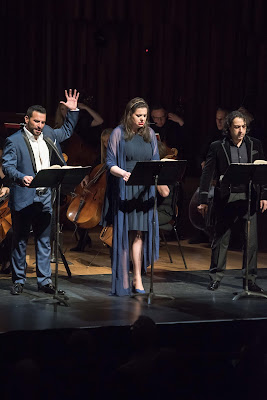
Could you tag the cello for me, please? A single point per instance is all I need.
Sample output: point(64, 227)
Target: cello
point(86, 208)
point(5, 213)
point(5, 217)
point(5, 234)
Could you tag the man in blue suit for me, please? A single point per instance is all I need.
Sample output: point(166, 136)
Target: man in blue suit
point(32, 148)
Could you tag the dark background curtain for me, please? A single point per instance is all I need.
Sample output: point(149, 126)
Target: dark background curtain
point(189, 55)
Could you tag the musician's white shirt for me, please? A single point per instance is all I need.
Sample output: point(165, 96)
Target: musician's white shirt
point(40, 150)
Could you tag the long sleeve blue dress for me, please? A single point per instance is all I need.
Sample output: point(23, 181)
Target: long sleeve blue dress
point(129, 207)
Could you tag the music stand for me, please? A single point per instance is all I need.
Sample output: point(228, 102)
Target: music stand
point(53, 256)
point(55, 178)
point(154, 173)
point(246, 174)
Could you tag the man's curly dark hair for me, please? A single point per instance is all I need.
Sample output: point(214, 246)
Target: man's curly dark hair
point(229, 119)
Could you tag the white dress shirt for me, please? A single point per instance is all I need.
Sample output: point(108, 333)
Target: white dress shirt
point(40, 150)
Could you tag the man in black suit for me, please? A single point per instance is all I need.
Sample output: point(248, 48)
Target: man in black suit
point(230, 202)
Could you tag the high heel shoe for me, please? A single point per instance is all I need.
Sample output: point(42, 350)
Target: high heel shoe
point(134, 290)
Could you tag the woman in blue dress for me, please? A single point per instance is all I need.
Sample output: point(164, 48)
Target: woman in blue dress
point(130, 208)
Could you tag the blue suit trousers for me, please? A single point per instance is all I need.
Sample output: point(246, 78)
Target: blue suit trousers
point(38, 217)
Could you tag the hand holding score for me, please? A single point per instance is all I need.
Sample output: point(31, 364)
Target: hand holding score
point(263, 205)
point(4, 191)
point(27, 180)
point(126, 176)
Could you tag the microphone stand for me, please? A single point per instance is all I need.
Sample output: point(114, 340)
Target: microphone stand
point(151, 294)
point(61, 299)
point(246, 174)
point(246, 292)
point(53, 255)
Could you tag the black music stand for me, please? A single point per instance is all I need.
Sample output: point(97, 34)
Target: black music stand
point(246, 174)
point(154, 173)
point(54, 231)
point(55, 178)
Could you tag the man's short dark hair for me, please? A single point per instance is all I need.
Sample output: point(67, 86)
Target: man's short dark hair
point(157, 107)
point(222, 108)
point(37, 108)
point(229, 119)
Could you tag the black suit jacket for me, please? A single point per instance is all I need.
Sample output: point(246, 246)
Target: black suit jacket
point(217, 162)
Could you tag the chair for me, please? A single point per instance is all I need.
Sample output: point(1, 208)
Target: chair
point(170, 205)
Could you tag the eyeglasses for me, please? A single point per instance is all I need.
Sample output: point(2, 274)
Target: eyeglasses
point(159, 118)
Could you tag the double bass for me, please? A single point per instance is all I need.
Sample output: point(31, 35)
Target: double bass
point(83, 145)
point(86, 208)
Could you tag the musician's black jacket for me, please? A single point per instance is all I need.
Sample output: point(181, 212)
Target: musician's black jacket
point(217, 161)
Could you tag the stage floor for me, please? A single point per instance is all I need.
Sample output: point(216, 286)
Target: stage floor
point(90, 304)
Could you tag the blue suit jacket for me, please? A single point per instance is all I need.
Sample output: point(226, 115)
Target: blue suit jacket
point(18, 159)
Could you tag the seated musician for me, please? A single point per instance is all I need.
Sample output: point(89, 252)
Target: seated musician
point(171, 129)
point(165, 204)
point(82, 148)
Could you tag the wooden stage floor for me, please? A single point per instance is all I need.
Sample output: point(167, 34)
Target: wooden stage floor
point(88, 288)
